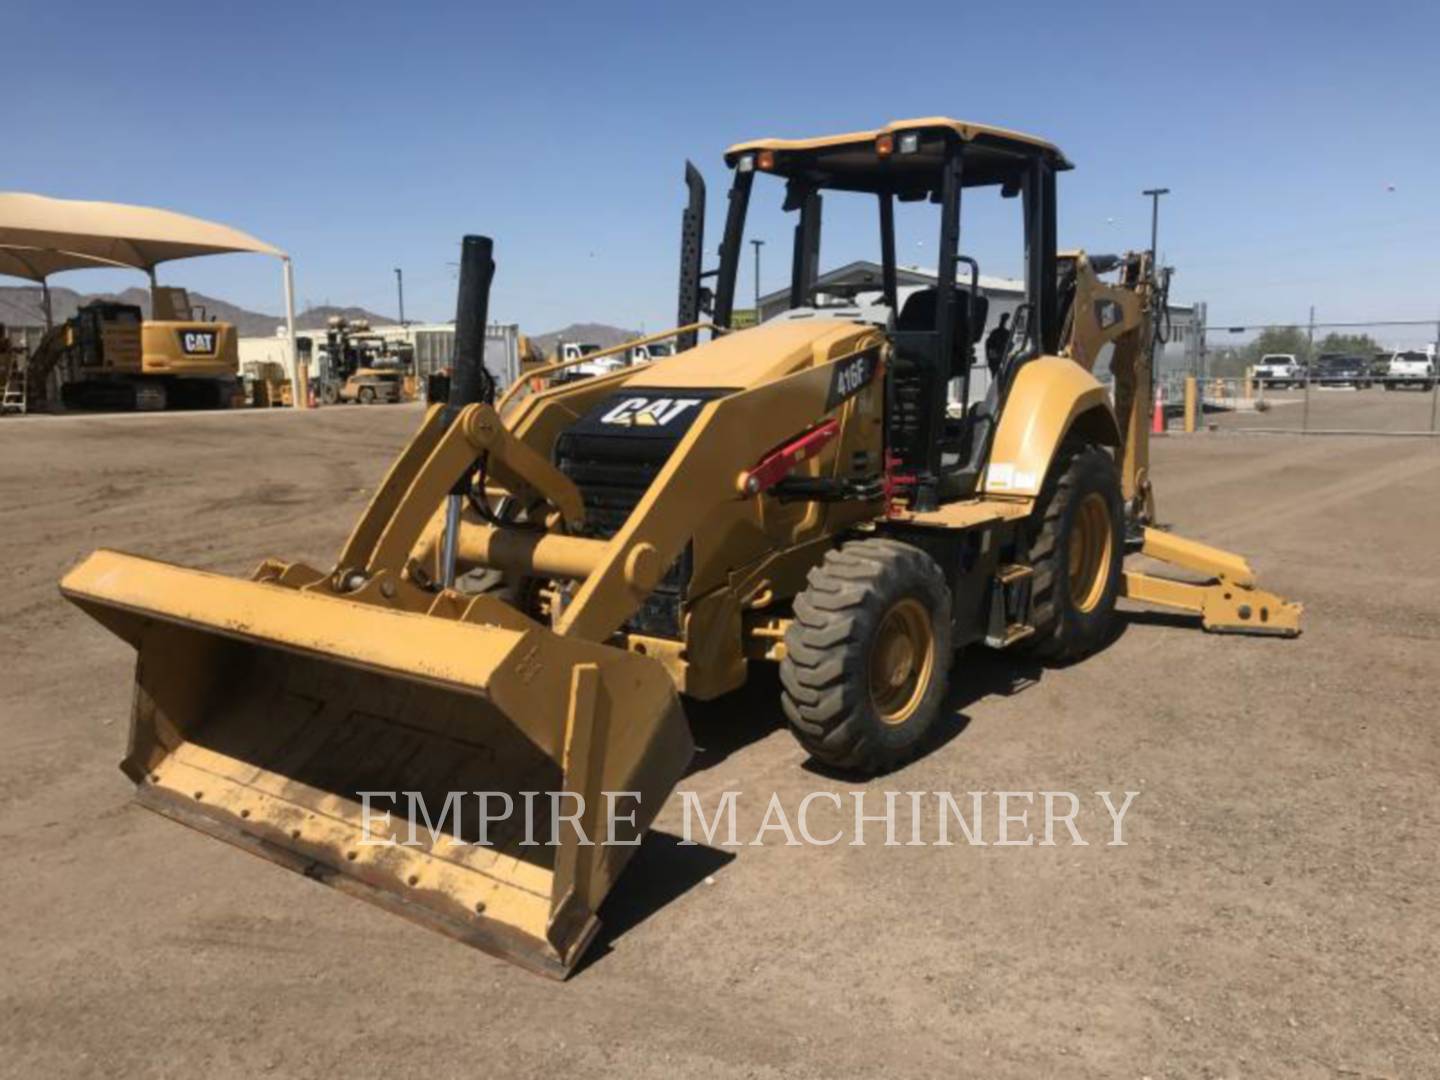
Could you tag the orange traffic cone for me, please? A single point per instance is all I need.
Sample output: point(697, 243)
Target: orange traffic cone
point(1157, 422)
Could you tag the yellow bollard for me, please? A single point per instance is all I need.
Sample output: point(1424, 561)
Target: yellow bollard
point(1190, 404)
point(1249, 389)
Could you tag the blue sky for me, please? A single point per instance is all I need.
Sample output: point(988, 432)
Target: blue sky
point(366, 136)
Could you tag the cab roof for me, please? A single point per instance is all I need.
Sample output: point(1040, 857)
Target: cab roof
point(853, 162)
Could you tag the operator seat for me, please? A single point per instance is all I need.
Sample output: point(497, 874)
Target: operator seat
point(915, 352)
point(918, 314)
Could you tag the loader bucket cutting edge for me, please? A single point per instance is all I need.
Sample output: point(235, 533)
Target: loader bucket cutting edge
point(261, 713)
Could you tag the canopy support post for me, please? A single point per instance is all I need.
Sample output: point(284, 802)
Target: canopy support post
point(299, 383)
point(45, 304)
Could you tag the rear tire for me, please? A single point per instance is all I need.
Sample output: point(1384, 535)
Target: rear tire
point(1077, 551)
point(366, 396)
point(867, 656)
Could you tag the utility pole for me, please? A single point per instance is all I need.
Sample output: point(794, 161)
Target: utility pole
point(757, 244)
point(400, 288)
point(1155, 280)
point(1153, 194)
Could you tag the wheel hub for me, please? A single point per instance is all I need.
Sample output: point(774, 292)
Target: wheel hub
point(1090, 551)
point(901, 660)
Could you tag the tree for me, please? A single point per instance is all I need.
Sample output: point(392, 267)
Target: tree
point(1226, 364)
point(1362, 345)
point(1280, 339)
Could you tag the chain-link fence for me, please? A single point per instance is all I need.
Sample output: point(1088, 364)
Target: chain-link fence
point(1368, 377)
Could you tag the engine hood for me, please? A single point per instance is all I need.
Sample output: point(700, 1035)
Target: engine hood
point(755, 356)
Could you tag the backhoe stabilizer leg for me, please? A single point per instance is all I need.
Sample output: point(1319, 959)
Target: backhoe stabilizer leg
point(1228, 604)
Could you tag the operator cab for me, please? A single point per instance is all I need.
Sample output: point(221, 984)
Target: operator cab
point(935, 331)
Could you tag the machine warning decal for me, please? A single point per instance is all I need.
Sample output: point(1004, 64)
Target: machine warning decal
point(195, 342)
point(648, 411)
point(848, 377)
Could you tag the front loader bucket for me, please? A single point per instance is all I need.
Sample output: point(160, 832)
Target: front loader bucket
point(264, 714)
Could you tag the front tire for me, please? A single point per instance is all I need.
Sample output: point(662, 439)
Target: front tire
point(1077, 552)
point(867, 655)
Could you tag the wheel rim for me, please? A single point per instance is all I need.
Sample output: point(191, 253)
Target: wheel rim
point(902, 657)
point(1091, 541)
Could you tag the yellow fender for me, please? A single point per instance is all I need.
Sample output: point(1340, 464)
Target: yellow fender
point(1051, 397)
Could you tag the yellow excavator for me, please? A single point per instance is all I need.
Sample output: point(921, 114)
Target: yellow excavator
point(115, 358)
point(504, 640)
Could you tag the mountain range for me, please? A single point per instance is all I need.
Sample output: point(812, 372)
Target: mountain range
point(20, 306)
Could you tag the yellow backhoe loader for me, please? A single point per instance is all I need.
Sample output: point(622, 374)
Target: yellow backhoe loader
point(539, 579)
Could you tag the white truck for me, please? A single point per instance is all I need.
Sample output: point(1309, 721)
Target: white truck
point(1411, 367)
point(1276, 371)
point(574, 350)
point(636, 354)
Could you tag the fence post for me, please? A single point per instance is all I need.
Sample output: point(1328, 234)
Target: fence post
point(1309, 360)
point(1435, 373)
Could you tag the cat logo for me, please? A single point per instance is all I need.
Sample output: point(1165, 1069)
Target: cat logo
point(648, 412)
point(193, 342)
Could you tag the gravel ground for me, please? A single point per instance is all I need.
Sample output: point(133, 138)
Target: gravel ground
point(1272, 913)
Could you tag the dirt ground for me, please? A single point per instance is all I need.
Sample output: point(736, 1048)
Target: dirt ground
point(1272, 914)
point(1341, 409)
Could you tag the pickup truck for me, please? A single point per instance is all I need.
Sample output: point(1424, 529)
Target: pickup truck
point(1411, 368)
point(1339, 369)
point(1277, 371)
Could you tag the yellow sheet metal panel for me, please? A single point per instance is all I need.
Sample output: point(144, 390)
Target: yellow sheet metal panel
point(964, 129)
point(1050, 395)
point(968, 513)
point(750, 357)
point(201, 349)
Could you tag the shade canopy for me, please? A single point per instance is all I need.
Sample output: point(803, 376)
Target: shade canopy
point(110, 234)
point(40, 236)
point(37, 264)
